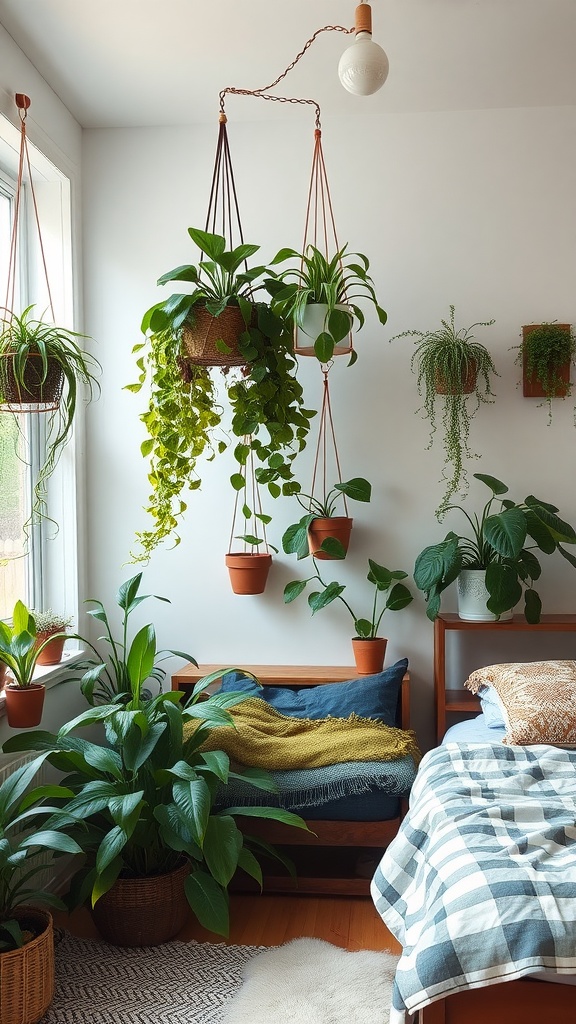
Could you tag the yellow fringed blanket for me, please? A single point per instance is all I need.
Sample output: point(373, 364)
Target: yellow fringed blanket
point(263, 738)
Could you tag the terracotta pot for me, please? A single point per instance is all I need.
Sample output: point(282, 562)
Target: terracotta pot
point(24, 705)
point(469, 379)
point(369, 655)
point(248, 572)
point(52, 653)
point(144, 911)
point(200, 338)
point(339, 527)
point(2, 675)
point(531, 386)
point(27, 974)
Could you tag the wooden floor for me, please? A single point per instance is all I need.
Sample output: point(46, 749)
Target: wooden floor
point(349, 922)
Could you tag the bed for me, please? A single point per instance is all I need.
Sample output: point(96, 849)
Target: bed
point(479, 886)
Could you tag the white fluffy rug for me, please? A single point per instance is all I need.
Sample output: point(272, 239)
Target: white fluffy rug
point(309, 981)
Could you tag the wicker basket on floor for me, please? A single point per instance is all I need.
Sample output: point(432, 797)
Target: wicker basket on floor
point(143, 911)
point(27, 974)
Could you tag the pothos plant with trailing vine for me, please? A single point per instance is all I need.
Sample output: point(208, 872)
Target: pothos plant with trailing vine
point(184, 417)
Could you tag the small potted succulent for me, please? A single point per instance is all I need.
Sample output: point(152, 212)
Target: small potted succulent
point(20, 653)
point(546, 355)
point(320, 532)
point(44, 369)
point(320, 296)
point(495, 563)
point(26, 930)
point(48, 624)
point(389, 595)
point(453, 379)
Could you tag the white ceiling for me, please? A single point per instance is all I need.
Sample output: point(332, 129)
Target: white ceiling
point(117, 63)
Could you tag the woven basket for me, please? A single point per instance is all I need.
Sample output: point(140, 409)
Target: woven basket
point(143, 911)
point(27, 974)
point(35, 394)
point(201, 337)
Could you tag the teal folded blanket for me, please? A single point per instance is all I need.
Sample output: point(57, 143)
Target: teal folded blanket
point(312, 787)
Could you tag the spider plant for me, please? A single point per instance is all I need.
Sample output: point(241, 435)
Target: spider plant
point(33, 351)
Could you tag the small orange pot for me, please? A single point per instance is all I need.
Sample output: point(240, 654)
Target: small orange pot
point(369, 655)
point(339, 527)
point(52, 653)
point(24, 705)
point(248, 572)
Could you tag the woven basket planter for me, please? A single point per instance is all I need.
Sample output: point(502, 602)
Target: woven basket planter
point(200, 338)
point(27, 974)
point(143, 911)
point(34, 395)
point(469, 378)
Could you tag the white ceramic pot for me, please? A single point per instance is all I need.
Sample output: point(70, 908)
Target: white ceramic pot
point(314, 322)
point(472, 598)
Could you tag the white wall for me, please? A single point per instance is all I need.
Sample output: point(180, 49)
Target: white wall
point(474, 208)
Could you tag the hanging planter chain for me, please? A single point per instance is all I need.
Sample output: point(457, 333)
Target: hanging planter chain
point(251, 490)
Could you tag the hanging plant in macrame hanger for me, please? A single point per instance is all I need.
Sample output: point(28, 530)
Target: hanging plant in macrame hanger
point(43, 369)
point(248, 567)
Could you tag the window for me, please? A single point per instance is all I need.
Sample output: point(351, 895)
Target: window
point(38, 566)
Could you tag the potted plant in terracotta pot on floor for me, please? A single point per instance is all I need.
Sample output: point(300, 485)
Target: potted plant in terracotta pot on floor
point(320, 296)
point(320, 532)
point(546, 355)
point(453, 379)
point(143, 805)
point(26, 931)
point(389, 595)
point(495, 563)
point(20, 653)
point(48, 624)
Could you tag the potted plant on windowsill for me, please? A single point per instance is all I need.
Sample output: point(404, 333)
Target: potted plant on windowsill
point(184, 413)
point(497, 549)
point(453, 379)
point(44, 369)
point(320, 532)
point(20, 653)
point(546, 355)
point(389, 595)
point(26, 931)
point(143, 807)
point(48, 624)
point(320, 296)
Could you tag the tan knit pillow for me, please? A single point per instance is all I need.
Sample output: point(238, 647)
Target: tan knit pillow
point(538, 697)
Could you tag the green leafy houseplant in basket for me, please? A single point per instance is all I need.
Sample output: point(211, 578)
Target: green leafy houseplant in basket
point(335, 284)
point(26, 931)
point(44, 368)
point(503, 541)
point(184, 415)
point(143, 807)
point(453, 379)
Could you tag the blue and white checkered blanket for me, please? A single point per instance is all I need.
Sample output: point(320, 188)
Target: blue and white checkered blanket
point(479, 886)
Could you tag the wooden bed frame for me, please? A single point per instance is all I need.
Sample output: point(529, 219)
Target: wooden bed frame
point(371, 837)
point(523, 1001)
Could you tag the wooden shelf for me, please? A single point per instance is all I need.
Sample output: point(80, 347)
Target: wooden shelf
point(461, 701)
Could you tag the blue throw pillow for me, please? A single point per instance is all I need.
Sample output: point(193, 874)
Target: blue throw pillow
point(373, 697)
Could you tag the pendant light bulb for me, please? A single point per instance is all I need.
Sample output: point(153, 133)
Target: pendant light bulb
point(363, 67)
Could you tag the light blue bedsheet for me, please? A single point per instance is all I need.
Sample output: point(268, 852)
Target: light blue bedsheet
point(474, 730)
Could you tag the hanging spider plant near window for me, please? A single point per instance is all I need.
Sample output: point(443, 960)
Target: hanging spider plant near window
point(44, 369)
point(453, 379)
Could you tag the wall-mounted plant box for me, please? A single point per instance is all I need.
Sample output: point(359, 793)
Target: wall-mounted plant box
point(558, 372)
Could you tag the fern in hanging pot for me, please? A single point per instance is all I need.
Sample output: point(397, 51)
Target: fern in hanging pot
point(320, 296)
point(44, 369)
point(248, 568)
point(453, 379)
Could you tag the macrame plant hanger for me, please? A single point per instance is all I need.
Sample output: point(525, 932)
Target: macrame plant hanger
point(320, 231)
point(43, 384)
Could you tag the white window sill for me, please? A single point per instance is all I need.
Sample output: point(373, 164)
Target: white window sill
point(51, 675)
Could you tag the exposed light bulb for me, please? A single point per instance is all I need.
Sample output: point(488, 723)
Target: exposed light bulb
point(363, 67)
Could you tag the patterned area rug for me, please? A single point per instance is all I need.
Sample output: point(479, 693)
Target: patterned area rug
point(306, 981)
